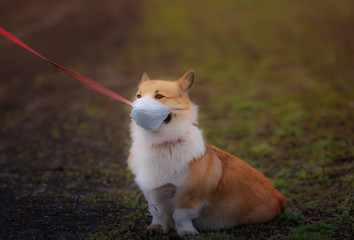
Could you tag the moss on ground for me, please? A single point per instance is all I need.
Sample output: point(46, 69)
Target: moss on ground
point(275, 88)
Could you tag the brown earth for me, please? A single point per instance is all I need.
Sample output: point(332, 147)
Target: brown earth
point(51, 165)
point(63, 146)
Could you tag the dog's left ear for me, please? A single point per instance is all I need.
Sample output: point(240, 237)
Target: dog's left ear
point(144, 78)
point(186, 82)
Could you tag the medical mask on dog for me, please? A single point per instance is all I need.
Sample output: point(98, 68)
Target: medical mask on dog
point(149, 113)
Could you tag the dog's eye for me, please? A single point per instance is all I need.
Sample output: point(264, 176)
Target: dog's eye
point(138, 96)
point(159, 96)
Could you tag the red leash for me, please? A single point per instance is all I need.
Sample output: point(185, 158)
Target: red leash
point(69, 72)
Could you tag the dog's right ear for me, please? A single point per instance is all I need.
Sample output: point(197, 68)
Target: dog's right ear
point(144, 78)
point(187, 80)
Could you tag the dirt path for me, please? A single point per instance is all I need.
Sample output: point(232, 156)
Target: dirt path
point(62, 144)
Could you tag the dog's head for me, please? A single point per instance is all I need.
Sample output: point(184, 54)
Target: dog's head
point(174, 95)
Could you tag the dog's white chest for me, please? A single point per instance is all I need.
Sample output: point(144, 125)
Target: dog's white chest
point(160, 163)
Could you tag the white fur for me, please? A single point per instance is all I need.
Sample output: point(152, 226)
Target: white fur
point(183, 220)
point(155, 164)
point(159, 210)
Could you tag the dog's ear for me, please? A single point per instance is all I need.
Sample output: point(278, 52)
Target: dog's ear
point(144, 78)
point(186, 82)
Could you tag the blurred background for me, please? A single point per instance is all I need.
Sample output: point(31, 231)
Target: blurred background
point(274, 85)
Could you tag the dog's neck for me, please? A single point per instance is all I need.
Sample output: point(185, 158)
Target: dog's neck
point(169, 136)
point(167, 144)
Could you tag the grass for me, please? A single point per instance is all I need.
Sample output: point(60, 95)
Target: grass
point(275, 88)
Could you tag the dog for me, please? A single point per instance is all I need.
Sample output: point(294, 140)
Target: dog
point(188, 182)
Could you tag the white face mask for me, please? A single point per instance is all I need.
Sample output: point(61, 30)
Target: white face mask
point(149, 113)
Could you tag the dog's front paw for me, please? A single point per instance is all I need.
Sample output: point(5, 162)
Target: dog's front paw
point(157, 228)
point(187, 232)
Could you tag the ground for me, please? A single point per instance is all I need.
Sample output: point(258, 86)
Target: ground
point(274, 85)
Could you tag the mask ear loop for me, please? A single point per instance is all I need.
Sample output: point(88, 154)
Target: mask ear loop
point(96, 86)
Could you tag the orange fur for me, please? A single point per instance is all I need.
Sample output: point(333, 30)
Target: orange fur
point(235, 192)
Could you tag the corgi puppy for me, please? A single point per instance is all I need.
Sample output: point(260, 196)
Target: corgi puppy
point(188, 182)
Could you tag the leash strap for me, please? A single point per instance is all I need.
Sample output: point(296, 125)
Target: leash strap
point(98, 87)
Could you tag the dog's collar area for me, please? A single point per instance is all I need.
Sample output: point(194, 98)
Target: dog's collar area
point(168, 143)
